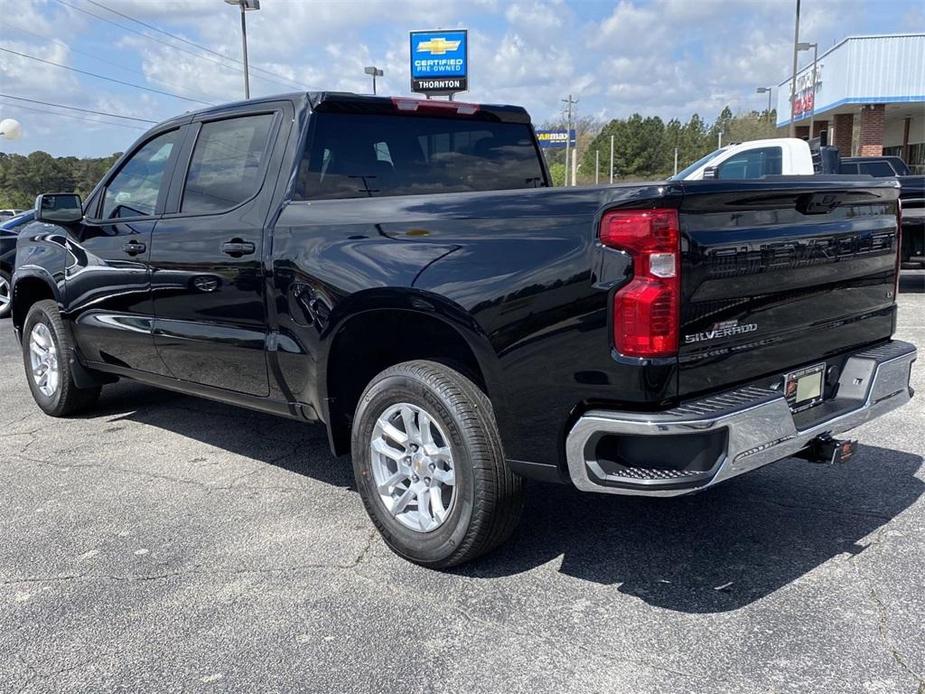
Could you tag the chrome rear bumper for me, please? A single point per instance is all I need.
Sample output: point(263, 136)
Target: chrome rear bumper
point(759, 426)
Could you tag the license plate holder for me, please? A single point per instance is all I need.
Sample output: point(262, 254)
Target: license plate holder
point(804, 388)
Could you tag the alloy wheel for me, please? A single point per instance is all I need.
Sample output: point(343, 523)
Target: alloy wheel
point(43, 357)
point(413, 468)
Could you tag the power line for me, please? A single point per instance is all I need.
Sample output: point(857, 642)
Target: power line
point(77, 108)
point(92, 56)
point(103, 77)
point(76, 117)
point(180, 48)
point(188, 42)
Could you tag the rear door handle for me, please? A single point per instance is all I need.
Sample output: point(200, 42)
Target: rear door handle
point(134, 248)
point(236, 248)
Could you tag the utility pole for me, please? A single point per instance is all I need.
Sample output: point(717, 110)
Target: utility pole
point(568, 136)
point(611, 159)
point(597, 166)
point(675, 161)
point(793, 79)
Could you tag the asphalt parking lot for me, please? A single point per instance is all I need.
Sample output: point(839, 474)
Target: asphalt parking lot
point(167, 543)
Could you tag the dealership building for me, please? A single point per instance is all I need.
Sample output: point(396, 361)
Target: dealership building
point(869, 96)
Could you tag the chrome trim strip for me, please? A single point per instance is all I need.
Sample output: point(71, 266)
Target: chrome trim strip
point(761, 429)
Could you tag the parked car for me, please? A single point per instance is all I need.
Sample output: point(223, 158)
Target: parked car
point(878, 167)
point(8, 214)
point(401, 271)
point(912, 197)
point(9, 230)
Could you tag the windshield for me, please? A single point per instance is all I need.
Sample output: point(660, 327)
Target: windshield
point(696, 165)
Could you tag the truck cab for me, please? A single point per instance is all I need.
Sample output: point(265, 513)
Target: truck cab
point(787, 156)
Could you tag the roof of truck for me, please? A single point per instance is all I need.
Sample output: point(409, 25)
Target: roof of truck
point(350, 102)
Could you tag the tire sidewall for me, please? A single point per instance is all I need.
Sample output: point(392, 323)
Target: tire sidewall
point(423, 548)
point(48, 404)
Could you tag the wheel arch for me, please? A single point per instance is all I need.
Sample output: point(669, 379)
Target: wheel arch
point(408, 324)
point(28, 287)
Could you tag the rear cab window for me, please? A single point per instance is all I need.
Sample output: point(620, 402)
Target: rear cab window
point(378, 155)
point(752, 163)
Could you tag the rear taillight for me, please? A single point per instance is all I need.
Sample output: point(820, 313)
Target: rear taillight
point(646, 311)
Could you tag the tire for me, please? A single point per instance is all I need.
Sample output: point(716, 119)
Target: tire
point(43, 325)
point(486, 498)
point(6, 295)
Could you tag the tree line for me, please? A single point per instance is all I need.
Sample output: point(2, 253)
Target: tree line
point(644, 147)
point(22, 177)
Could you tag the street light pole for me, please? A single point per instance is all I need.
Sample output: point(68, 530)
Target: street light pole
point(812, 112)
point(374, 72)
point(245, 5)
point(762, 90)
point(793, 79)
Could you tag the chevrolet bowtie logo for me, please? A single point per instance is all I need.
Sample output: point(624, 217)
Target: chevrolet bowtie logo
point(437, 46)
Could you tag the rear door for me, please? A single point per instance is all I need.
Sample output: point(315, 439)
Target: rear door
point(207, 254)
point(784, 273)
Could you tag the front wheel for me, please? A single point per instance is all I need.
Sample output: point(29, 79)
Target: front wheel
point(47, 356)
point(6, 295)
point(429, 465)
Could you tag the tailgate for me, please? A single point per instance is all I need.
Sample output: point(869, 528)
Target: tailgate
point(782, 273)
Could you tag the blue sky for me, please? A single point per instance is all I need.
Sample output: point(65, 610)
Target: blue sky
point(661, 57)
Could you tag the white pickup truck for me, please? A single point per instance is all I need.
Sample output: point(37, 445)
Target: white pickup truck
point(788, 156)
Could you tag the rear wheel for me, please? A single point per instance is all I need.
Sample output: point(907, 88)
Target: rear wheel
point(429, 465)
point(6, 295)
point(47, 356)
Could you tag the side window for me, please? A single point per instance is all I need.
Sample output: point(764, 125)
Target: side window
point(134, 190)
point(753, 163)
point(877, 169)
point(227, 164)
point(849, 168)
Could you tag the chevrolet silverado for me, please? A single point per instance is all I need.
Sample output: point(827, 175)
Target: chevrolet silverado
point(402, 272)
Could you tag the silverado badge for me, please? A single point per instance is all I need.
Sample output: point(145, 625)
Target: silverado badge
point(722, 329)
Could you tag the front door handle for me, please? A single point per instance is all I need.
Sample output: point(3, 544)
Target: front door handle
point(236, 248)
point(134, 248)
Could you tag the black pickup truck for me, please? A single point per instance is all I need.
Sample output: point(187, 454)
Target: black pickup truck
point(402, 272)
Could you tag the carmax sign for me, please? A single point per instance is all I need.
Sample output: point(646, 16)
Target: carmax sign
point(439, 61)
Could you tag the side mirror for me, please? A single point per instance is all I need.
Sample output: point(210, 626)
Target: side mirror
point(58, 208)
point(709, 172)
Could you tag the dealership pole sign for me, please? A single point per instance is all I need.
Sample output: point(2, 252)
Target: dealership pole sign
point(440, 61)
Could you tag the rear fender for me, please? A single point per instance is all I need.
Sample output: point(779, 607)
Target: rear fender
point(418, 302)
